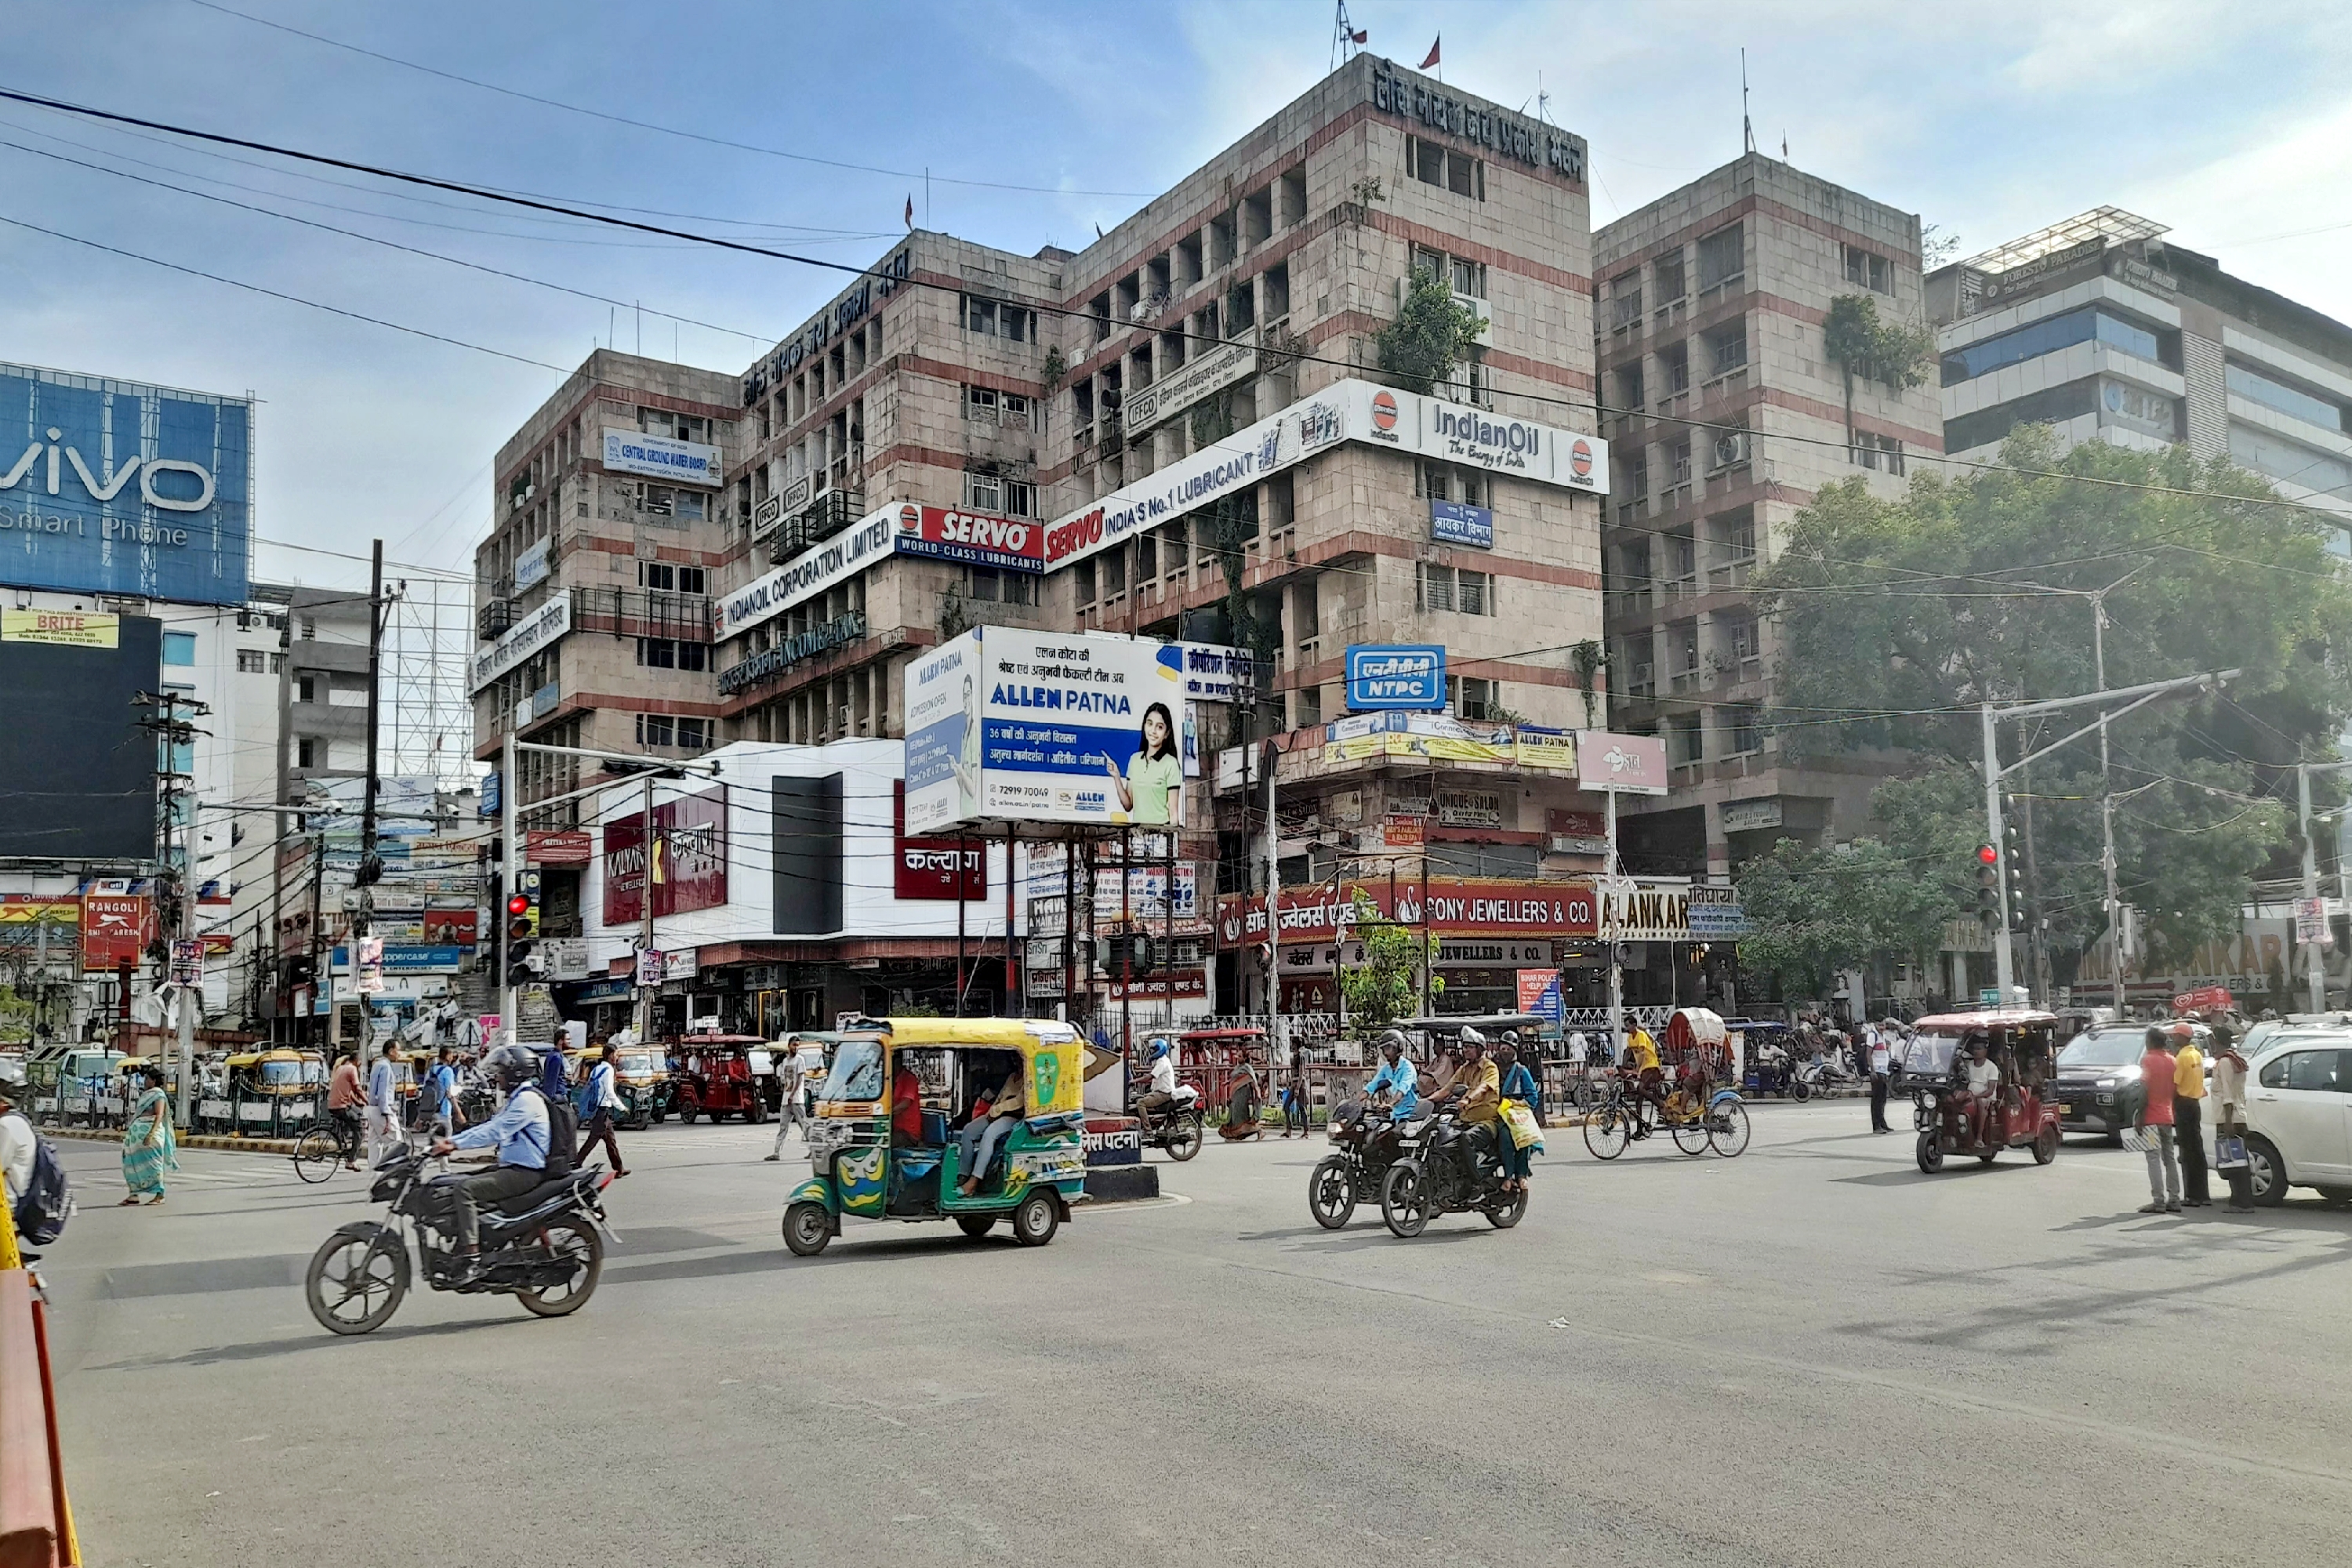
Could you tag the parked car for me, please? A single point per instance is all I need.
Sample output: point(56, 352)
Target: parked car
point(2299, 1115)
point(2097, 1087)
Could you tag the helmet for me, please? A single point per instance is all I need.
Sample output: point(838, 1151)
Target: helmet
point(1472, 1040)
point(1158, 1050)
point(1393, 1040)
point(511, 1065)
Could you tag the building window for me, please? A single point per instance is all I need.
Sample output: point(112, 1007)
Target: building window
point(1727, 347)
point(252, 661)
point(2283, 460)
point(1678, 463)
point(1476, 698)
point(2051, 406)
point(1435, 164)
point(1880, 452)
point(990, 492)
point(667, 501)
point(1443, 481)
point(990, 407)
point(1869, 270)
point(1685, 747)
point(1670, 276)
point(657, 729)
point(1721, 258)
point(1083, 579)
point(306, 689)
point(677, 426)
point(1459, 591)
point(694, 734)
point(1625, 301)
point(1743, 727)
point(2292, 401)
point(179, 647)
point(2051, 334)
point(999, 318)
point(693, 655)
point(277, 663)
point(306, 753)
point(1674, 368)
point(991, 586)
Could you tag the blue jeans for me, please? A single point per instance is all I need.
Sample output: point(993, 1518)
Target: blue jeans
point(978, 1143)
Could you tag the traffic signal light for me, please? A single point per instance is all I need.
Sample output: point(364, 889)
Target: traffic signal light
point(522, 923)
point(1989, 887)
point(2015, 864)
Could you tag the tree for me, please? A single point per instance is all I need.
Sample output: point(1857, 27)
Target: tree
point(1386, 986)
point(1432, 334)
point(1227, 524)
point(1814, 911)
point(1897, 618)
point(1859, 343)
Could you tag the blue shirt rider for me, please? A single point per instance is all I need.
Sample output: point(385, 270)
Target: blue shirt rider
point(1397, 1078)
point(519, 1132)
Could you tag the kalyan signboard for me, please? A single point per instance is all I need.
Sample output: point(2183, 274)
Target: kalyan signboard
point(926, 868)
point(689, 863)
point(974, 538)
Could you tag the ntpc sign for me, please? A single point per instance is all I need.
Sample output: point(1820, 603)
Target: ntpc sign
point(1392, 676)
point(108, 487)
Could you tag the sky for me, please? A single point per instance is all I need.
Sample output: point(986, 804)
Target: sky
point(808, 127)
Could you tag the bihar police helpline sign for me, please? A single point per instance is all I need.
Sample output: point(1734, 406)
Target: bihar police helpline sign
point(1396, 676)
point(112, 486)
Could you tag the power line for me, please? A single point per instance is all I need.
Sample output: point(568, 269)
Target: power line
point(279, 294)
point(664, 130)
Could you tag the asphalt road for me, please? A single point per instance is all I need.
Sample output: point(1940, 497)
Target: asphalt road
point(1809, 1355)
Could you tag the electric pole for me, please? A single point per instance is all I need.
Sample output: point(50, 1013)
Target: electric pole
point(370, 869)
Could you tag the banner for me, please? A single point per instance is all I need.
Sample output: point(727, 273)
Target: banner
point(975, 538)
point(1449, 908)
point(1539, 993)
point(689, 863)
point(116, 929)
point(926, 868)
point(66, 628)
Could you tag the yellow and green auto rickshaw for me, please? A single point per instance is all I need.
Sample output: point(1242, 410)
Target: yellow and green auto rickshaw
point(275, 1093)
point(860, 1166)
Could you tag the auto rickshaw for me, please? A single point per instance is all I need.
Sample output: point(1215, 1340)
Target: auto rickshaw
point(1933, 1070)
point(861, 1168)
point(276, 1093)
point(641, 1078)
point(716, 1075)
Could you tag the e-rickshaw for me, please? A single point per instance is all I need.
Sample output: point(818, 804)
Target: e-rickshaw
point(1933, 1070)
point(276, 1093)
point(860, 1167)
point(715, 1076)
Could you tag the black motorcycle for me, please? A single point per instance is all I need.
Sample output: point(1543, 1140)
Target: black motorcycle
point(1452, 1168)
point(1365, 1143)
point(1176, 1128)
point(544, 1247)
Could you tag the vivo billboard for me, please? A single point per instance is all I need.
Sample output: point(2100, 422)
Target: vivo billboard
point(110, 487)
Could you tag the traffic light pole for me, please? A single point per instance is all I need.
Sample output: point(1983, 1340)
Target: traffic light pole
point(2131, 697)
point(511, 858)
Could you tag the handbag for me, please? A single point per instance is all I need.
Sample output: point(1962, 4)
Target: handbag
point(2139, 1140)
point(2229, 1153)
point(1521, 1120)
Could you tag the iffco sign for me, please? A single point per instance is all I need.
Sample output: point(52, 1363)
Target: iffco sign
point(110, 487)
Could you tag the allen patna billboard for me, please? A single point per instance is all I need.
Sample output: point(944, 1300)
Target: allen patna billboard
point(110, 487)
point(1004, 725)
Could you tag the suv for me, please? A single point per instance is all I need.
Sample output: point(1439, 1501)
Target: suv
point(2097, 1082)
point(2299, 1116)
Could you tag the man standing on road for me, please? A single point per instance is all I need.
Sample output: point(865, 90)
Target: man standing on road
point(2230, 1111)
point(344, 1099)
point(2189, 1120)
point(1879, 1068)
point(384, 1102)
point(601, 1100)
point(2157, 1072)
point(790, 1112)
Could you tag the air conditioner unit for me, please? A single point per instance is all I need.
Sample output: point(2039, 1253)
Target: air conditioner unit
point(1140, 311)
point(1731, 449)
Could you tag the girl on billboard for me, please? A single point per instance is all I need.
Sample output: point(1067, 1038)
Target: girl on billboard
point(1155, 774)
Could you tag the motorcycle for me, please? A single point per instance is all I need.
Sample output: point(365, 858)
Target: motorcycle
point(1176, 1127)
point(544, 1247)
point(1448, 1172)
point(1365, 1143)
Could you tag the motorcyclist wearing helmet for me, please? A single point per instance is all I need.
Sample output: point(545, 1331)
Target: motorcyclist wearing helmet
point(519, 1132)
point(1396, 1086)
point(1161, 1095)
point(1476, 1086)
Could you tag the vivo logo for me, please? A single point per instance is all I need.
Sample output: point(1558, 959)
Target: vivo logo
point(145, 468)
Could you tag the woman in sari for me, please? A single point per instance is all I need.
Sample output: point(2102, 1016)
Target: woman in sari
point(148, 1147)
point(1520, 1087)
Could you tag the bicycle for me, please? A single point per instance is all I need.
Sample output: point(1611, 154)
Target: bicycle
point(1721, 1123)
point(327, 1142)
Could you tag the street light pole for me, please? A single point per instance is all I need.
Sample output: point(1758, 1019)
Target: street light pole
point(2317, 982)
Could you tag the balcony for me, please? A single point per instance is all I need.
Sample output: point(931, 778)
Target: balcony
point(493, 619)
point(642, 611)
point(1733, 379)
point(829, 514)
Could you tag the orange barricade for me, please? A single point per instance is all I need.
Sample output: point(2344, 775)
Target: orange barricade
point(35, 1523)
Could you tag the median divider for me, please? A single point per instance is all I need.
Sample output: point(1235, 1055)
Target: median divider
point(188, 1141)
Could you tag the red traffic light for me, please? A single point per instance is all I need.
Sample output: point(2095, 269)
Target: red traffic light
point(519, 904)
point(1987, 855)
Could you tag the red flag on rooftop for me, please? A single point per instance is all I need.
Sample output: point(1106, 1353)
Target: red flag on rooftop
point(1434, 44)
point(910, 209)
point(1363, 37)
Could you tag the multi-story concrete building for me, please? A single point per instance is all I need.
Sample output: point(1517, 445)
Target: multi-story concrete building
point(1725, 415)
point(1182, 431)
point(2101, 330)
point(593, 584)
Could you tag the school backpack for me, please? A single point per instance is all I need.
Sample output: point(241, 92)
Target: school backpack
point(562, 1135)
point(46, 1202)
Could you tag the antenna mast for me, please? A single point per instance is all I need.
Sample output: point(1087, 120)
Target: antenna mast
point(1346, 40)
point(1747, 128)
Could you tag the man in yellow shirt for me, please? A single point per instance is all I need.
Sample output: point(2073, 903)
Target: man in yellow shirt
point(1642, 1064)
point(2188, 1118)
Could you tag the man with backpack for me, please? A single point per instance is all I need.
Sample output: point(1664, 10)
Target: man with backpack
point(533, 1134)
point(31, 1179)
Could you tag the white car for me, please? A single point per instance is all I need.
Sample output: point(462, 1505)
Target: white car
point(2299, 1115)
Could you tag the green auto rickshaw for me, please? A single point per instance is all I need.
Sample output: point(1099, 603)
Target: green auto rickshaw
point(936, 1068)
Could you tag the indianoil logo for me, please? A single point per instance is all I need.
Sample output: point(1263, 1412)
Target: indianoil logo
point(1384, 411)
point(1580, 458)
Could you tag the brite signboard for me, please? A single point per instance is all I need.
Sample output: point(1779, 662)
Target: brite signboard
point(110, 487)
